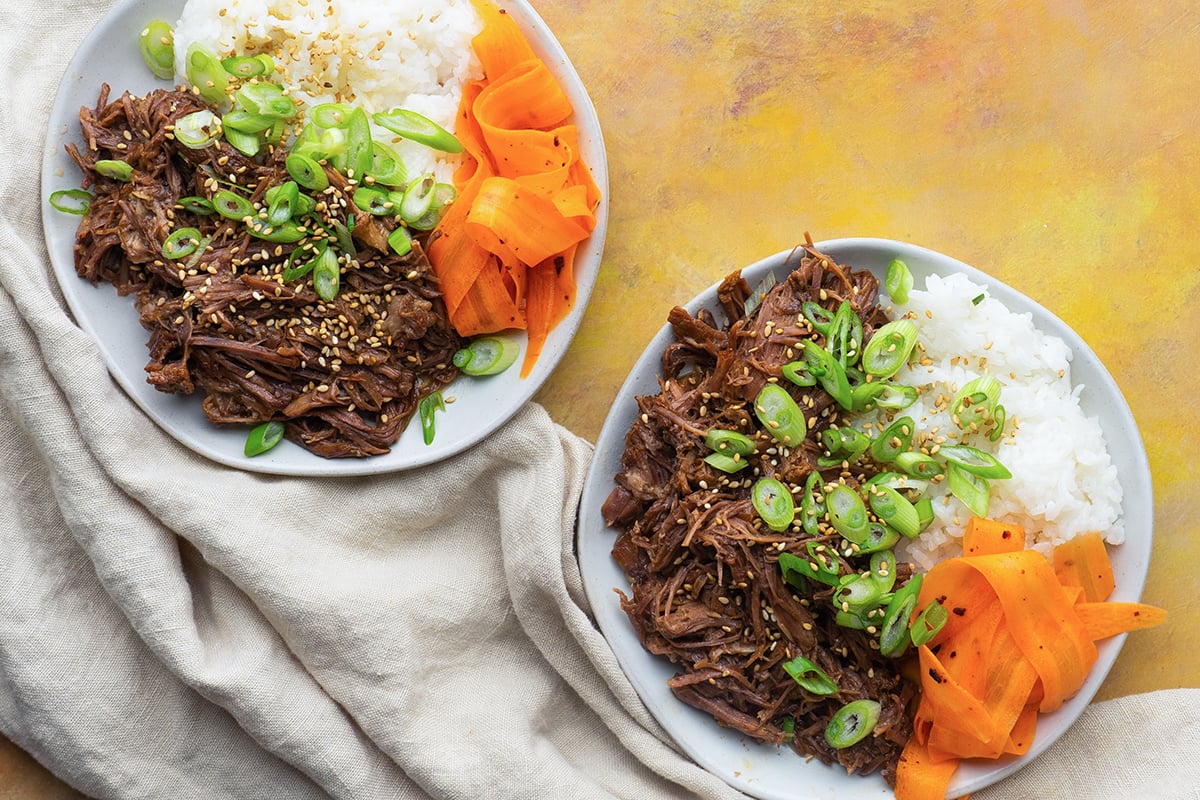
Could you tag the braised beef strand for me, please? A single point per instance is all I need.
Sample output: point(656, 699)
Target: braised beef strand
point(706, 588)
point(345, 375)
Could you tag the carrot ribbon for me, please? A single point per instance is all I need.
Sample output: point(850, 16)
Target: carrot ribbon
point(504, 251)
point(1019, 641)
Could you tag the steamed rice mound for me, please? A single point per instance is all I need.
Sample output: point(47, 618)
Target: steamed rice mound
point(1064, 482)
point(414, 54)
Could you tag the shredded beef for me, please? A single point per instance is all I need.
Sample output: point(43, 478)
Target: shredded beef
point(345, 375)
point(706, 588)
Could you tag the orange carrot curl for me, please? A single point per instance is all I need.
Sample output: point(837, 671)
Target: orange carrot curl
point(505, 249)
point(1020, 640)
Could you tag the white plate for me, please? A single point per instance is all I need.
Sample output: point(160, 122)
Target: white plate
point(110, 54)
point(777, 773)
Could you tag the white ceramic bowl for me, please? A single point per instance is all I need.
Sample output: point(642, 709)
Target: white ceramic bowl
point(778, 773)
point(110, 54)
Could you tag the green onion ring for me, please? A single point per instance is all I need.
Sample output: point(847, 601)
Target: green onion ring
point(898, 281)
point(809, 676)
point(773, 502)
point(182, 243)
point(114, 168)
point(487, 355)
point(71, 201)
point(400, 240)
point(852, 723)
point(326, 274)
point(780, 415)
point(157, 45)
point(419, 128)
point(232, 206)
point(197, 130)
point(307, 172)
point(429, 405)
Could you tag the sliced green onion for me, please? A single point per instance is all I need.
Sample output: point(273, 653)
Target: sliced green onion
point(889, 348)
point(726, 463)
point(196, 204)
point(843, 340)
point(847, 512)
point(487, 355)
point(157, 45)
point(417, 199)
point(893, 633)
point(919, 465)
point(265, 99)
point(430, 404)
point(797, 372)
point(246, 143)
point(820, 565)
point(342, 233)
point(388, 169)
point(400, 240)
point(443, 195)
point(330, 115)
point(115, 168)
point(812, 510)
point(977, 299)
point(307, 172)
point(809, 676)
point(263, 437)
point(883, 570)
point(360, 158)
point(780, 415)
point(232, 206)
point(726, 441)
point(898, 281)
point(326, 274)
point(971, 490)
point(71, 201)
point(374, 201)
point(197, 130)
point(863, 396)
point(204, 71)
point(974, 404)
point(285, 233)
point(894, 440)
point(243, 66)
point(857, 593)
point(819, 317)
point(924, 507)
point(241, 120)
point(293, 270)
point(284, 202)
point(974, 461)
point(419, 128)
point(999, 417)
point(830, 373)
point(894, 509)
point(183, 242)
point(852, 723)
point(879, 537)
point(895, 396)
point(928, 623)
point(751, 304)
point(774, 504)
point(788, 726)
point(844, 443)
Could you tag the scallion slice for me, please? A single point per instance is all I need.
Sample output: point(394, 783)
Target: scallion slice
point(847, 512)
point(244, 66)
point(852, 723)
point(263, 437)
point(326, 274)
point(487, 355)
point(889, 347)
point(898, 281)
point(809, 676)
point(182, 243)
point(400, 240)
point(198, 129)
point(974, 461)
point(419, 128)
point(115, 168)
point(430, 404)
point(894, 509)
point(773, 502)
point(71, 201)
point(780, 415)
point(157, 45)
point(232, 206)
point(721, 440)
point(307, 172)
point(205, 72)
point(971, 490)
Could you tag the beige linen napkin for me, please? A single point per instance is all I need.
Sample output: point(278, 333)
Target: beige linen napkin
point(173, 628)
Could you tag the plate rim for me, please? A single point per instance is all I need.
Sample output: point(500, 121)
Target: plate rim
point(590, 528)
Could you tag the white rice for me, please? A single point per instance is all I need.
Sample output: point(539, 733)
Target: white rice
point(1064, 482)
point(413, 54)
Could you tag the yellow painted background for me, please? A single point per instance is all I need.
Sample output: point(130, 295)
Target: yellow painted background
point(1051, 144)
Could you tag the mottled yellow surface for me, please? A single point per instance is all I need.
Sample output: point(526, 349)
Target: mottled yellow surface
point(1053, 145)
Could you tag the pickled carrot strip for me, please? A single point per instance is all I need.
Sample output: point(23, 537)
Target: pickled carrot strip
point(1020, 640)
point(1083, 561)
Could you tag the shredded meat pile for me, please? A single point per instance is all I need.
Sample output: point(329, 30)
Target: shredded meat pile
point(344, 375)
point(707, 591)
